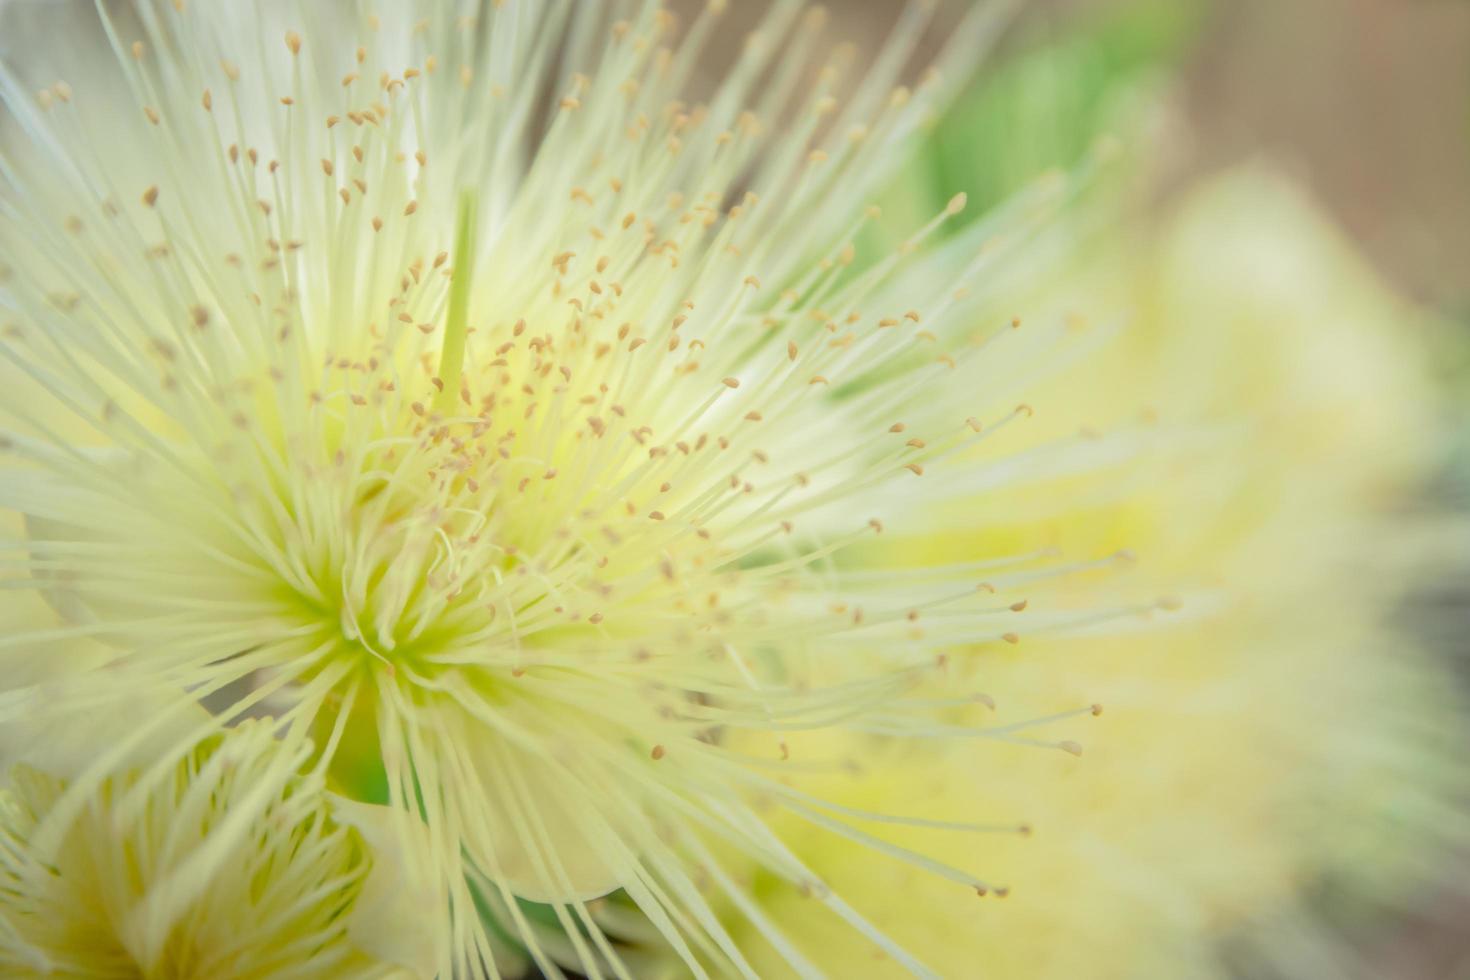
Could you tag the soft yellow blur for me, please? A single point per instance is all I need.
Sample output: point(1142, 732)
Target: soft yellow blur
point(1270, 730)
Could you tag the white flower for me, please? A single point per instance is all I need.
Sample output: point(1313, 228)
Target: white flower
point(450, 390)
point(226, 864)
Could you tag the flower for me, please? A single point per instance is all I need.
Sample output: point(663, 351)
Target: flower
point(229, 864)
point(1279, 766)
point(505, 429)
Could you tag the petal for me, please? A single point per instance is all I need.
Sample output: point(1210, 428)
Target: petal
point(394, 898)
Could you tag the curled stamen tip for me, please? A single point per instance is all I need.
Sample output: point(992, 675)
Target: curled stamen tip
point(1025, 830)
point(1096, 709)
point(985, 587)
point(957, 203)
point(986, 700)
point(1070, 747)
point(1011, 638)
point(1019, 606)
point(1002, 892)
point(1170, 603)
point(980, 891)
point(657, 753)
point(1126, 555)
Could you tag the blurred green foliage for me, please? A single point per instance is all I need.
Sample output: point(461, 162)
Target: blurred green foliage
point(1050, 94)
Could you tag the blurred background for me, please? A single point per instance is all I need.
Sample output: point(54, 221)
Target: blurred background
point(1366, 101)
point(1363, 104)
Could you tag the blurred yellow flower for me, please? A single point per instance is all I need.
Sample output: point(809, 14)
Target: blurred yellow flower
point(1289, 735)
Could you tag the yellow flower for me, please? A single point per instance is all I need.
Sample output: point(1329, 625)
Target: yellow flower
point(228, 865)
point(1290, 737)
